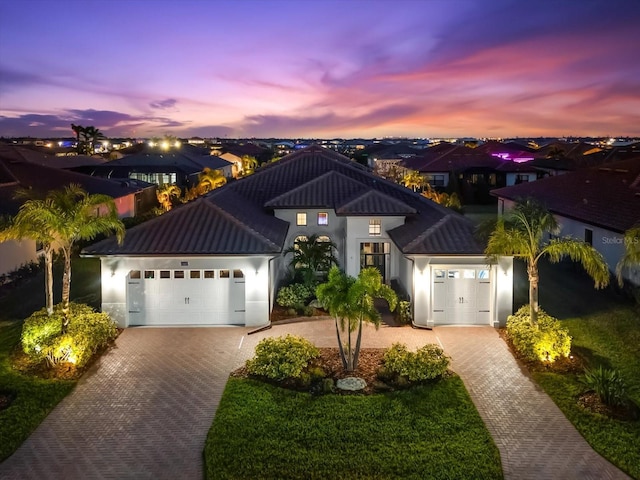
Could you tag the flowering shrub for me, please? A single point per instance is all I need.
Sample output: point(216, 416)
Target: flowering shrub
point(282, 358)
point(426, 363)
point(546, 341)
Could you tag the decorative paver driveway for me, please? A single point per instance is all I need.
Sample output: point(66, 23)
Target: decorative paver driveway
point(145, 410)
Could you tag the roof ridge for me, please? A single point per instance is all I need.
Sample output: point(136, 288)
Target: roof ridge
point(309, 184)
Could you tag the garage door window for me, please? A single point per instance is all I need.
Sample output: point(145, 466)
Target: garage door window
point(178, 274)
point(483, 274)
point(238, 274)
point(209, 274)
point(134, 274)
point(224, 273)
point(194, 274)
point(454, 274)
point(438, 273)
point(468, 273)
point(148, 274)
point(165, 274)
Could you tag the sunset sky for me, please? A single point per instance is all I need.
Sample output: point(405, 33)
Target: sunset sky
point(320, 68)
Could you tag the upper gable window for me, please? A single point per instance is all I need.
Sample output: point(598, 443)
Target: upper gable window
point(301, 218)
point(375, 227)
point(323, 218)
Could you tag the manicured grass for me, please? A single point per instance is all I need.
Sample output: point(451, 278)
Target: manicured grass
point(612, 339)
point(34, 397)
point(262, 431)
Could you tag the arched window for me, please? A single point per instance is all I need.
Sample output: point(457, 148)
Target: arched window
point(323, 238)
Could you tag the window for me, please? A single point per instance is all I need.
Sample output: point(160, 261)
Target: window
point(194, 274)
point(238, 274)
point(588, 236)
point(224, 273)
point(134, 274)
point(468, 273)
point(323, 238)
point(375, 226)
point(149, 274)
point(522, 178)
point(438, 273)
point(298, 239)
point(165, 274)
point(323, 218)
point(209, 274)
point(483, 274)
point(301, 218)
point(453, 274)
point(435, 180)
point(178, 274)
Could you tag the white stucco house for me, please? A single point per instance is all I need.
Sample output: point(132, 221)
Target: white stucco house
point(597, 205)
point(219, 259)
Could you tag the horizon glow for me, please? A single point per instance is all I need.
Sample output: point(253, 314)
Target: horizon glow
point(320, 69)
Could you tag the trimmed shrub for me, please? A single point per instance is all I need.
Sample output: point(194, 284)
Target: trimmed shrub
point(87, 332)
point(295, 295)
point(426, 363)
point(403, 312)
point(546, 341)
point(282, 358)
point(607, 384)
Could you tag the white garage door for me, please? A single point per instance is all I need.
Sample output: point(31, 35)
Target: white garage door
point(461, 296)
point(186, 297)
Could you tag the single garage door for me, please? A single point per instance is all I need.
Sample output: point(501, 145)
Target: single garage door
point(461, 296)
point(186, 297)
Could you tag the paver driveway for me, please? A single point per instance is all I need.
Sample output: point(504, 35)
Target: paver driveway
point(145, 410)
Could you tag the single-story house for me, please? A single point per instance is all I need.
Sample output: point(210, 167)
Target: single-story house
point(597, 205)
point(17, 173)
point(219, 259)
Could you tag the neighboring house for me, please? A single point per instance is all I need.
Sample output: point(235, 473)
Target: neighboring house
point(219, 259)
point(180, 165)
point(17, 174)
point(233, 152)
point(516, 173)
point(596, 205)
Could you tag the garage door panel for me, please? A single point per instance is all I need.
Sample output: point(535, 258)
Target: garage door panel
point(461, 296)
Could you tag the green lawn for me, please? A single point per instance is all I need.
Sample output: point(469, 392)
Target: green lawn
point(35, 397)
point(612, 339)
point(262, 431)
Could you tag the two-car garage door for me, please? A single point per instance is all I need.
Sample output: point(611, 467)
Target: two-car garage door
point(186, 297)
point(461, 295)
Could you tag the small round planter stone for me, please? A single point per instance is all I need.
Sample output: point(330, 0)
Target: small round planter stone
point(352, 384)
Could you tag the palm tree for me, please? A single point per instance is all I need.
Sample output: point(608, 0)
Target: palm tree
point(350, 301)
point(79, 131)
point(412, 179)
point(312, 257)
point(631, 254)
point(249, 164)
point(92, 135)
point(74, 215)
point(520, 234)
point(29, 223)
point(165, 194)
point(442, 198)
point(210, 179)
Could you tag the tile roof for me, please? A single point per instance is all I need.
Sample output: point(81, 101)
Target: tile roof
point(607, 196)
point(237, 218)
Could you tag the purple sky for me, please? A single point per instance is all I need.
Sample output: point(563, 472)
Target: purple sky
point(319, 68)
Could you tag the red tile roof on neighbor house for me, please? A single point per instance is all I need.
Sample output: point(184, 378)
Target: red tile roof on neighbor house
point(237, 218)
point(606, 196)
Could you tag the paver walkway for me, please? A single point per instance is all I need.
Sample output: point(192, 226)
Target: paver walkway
point(144, 411)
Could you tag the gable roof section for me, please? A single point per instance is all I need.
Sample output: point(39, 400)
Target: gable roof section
point(198, 228)
point(607, 197)
point(235, 219)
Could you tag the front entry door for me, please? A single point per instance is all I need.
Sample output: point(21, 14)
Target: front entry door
point(375, 254)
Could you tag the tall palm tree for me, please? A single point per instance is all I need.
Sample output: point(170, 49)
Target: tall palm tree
point(79, 131)
point(74, 215)
point(29, 223)
point(350, 301)
point(92, 135)
point(521, 233)
point(165, 193)
point(210, 179)
point(631, 255)
point(312, 257)
point(412, 179)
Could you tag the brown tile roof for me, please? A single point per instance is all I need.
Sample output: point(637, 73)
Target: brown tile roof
point(607, 197)
point(236, 218)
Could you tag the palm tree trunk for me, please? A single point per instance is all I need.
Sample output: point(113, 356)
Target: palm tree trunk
point(48, 278)
point(349, 351)
point(340, 346)
point(66, 285)
point(534, 278)
point(356, 354)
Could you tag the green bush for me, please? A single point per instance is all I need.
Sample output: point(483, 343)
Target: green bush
point(295, 295)
point(87, 332)
point(403, 312)
point(546, 341)
point(608, 384)
point(282, 358)
point(426, 363)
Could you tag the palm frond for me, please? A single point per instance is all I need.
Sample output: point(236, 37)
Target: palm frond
point(578, 251)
